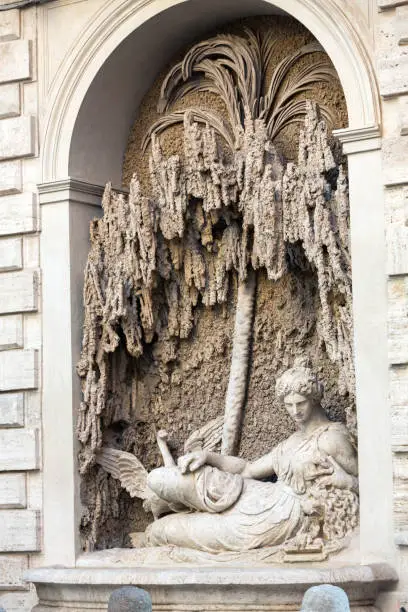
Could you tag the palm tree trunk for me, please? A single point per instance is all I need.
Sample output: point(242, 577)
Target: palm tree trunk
point(238, 379)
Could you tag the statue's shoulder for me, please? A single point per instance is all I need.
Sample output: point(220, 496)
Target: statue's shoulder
point(335, 436)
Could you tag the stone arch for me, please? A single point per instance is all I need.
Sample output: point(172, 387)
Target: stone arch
point(95, 94)
point(85, 136)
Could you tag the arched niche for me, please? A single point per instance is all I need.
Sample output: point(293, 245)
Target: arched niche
point(91, 110)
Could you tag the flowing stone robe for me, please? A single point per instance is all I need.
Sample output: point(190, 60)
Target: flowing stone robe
point(231, 513)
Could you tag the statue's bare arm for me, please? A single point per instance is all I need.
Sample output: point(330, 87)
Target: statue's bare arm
point(261, 468)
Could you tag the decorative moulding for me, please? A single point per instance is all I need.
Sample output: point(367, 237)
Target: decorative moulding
point(359, 140)
point(328, 21)
point(74, 190)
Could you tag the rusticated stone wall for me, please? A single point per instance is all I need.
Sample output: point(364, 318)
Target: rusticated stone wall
point(20, 333)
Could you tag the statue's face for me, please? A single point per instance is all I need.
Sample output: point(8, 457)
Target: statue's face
point(299, 407)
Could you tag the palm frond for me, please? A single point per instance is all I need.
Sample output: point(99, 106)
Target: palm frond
point(295, 112)
point(235, 68)
point(217, 123)
point(228, 65)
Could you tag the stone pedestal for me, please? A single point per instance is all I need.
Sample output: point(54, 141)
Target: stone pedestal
point(207, 589)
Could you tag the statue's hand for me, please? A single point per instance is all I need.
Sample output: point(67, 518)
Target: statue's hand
point(339, 478)
point(192, 461)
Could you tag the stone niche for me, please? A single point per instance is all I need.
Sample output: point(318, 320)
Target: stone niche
point(218, 328)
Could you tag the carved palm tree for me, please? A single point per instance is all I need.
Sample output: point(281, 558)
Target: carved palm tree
point(235, 68)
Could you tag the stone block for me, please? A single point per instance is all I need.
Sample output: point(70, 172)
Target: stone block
point(10, 179)
point(399, 385)
point(9, 100)
point(398, 341)
point(18, 214)
point(397, 250)
point(399, 426)
point(11, 332)
point(15, 61)
point(11, 410)
point(11, 254)
point(18, 450)
point(400, 497)
point(13, 491)
point(393, 73)
point(18, 292)
point(20, 530)
point(401, 15)
point(9, 25)
point(395, 154)
point(17, 137)
point(12, 568)
point(18, 370)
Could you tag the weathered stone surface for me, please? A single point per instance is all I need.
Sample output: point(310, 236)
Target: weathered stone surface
point(9, 100)
point(325, 598)
point(130, 599)
point(15, 62)
point(398, 341)
point(18, 450)
point(395, 151)
point(399, 426)
point(18, 213)
point(9, 25)
point(397, 241)
point(403, 115)
point(17, 137)
point(11, 254)
point(20, 530)
point(401, 15)
point(400, 466)
point(388, 4)
point(10, 180)
point(12, 568)
point(11, 410)
point(11, 332)
point(13, 491)
point(18, 291)
point(18, 370)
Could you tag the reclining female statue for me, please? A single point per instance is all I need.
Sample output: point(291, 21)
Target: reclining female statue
point(220, 503)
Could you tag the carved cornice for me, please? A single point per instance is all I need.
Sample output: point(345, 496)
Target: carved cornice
point(115, 20)
point(72, 190)
point(359, 140)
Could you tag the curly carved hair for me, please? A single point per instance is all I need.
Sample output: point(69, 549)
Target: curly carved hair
point(299, 379)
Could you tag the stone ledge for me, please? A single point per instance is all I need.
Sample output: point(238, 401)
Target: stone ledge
point(210, 588)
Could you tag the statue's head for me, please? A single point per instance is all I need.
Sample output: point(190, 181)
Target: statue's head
point(301, 391)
